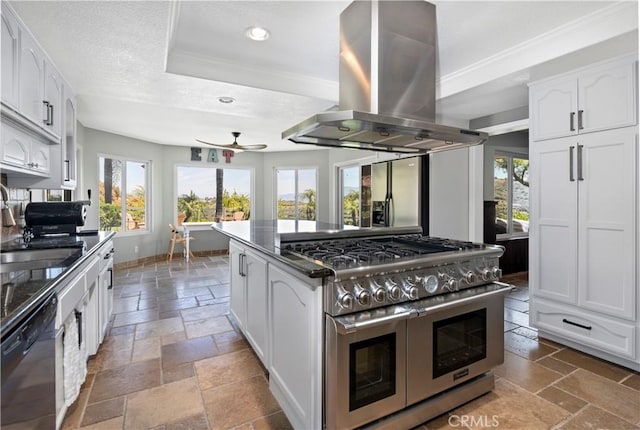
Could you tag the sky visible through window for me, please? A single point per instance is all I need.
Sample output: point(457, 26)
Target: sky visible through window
point(202, 181)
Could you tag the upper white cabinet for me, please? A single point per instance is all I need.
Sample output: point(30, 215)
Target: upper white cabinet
point(23, 152)
point(31, 81)
point(583, 230)
point(594, 99)
point(10, 38)
point(69, 146)
point(37, 102)
point(52, 100)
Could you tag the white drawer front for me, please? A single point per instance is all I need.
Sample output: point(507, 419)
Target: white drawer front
point(69, 298)
point(610, 336)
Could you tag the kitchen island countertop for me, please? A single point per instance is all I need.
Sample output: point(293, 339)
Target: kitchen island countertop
point(263, 236)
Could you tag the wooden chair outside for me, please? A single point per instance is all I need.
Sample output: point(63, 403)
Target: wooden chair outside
point(177, 239)
point(238, 216)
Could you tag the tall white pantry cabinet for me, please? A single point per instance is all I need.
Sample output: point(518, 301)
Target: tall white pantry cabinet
point(584, 185)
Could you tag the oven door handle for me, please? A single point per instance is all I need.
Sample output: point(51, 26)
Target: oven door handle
point(479, 297)
point(347, 326)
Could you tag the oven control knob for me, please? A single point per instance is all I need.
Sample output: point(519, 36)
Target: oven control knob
point(379, 295)
point(346, 301)
point(364, 297)
point(496, 272)
point(452, 285)
point(431, 284)
point(413, 293)
point(486, 274)
point(393, 290)
point(469, 277)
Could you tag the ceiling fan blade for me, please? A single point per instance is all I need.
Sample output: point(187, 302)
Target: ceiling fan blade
point(252, 147)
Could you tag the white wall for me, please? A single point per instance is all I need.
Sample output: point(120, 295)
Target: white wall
point(449, 206)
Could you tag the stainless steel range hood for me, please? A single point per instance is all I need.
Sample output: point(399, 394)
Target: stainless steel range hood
point(387, 84)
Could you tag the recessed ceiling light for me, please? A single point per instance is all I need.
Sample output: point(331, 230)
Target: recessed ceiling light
point(226, 99)
point(257, 33)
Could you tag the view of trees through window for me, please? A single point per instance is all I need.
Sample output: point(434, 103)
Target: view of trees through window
point(207, 194)
point(350, 181)
point(118, 212)
point(511, 191)
point(296, 191)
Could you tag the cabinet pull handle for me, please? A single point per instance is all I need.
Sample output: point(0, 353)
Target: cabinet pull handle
point(580, 126)
point(68, 173)
point(572, 115)
point(571, 178)
point(566, 321)
point(241, 265)
point(110, 279)
point(580, 177)
point(50, 114)
point(48, 118)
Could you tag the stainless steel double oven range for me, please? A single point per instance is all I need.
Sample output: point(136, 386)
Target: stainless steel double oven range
point(413, 324)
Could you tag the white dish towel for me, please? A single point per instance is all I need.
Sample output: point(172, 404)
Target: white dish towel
point(75, 364)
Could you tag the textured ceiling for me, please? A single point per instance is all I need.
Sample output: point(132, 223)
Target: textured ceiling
point(116, 55)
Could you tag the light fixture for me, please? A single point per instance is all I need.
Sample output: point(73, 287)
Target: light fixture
point(257, 33)
point(226, 100)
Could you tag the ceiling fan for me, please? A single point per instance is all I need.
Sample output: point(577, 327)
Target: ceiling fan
point(235, 146)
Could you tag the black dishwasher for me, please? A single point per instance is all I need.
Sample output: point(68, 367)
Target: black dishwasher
point(29, 370)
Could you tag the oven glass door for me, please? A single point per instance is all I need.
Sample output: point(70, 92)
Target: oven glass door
point(452, 344)
point(372, 370)
point(365, 373)
point(459, 341)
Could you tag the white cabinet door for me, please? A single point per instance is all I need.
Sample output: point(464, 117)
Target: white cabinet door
point(553, 109)
point(16, 147)
point(607, 98)
point(10, 38)
point(553, 227)
point(256, 322)
point(295, 371)
point(607, 227)
point(237, 283)
point(91, 310)
point(40, 157)
point(69, 163)
point(52, 101)
point(31, 80)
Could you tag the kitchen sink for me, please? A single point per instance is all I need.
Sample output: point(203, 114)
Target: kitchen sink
point(13, 261)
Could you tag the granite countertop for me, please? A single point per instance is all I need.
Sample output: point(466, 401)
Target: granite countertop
point(24, 289)
point(263, 236)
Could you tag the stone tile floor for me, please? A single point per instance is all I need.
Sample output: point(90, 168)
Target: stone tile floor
point(175, 360)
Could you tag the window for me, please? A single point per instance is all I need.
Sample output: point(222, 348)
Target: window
point(511, 191)
point(350, 195)
point(126, 212)
point(296, 191)
point(209, 194)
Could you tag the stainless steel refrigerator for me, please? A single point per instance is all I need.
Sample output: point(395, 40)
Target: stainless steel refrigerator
point(396, 192)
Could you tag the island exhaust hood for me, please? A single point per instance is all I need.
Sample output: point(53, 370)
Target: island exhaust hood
point(387, 84)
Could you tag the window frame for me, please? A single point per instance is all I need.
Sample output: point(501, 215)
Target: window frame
point(296, 191)
point(212, 166)
point(510, 156)
point(147, 198)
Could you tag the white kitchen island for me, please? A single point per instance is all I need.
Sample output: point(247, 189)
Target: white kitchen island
point(277, 303)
